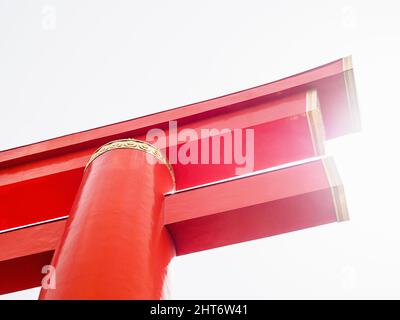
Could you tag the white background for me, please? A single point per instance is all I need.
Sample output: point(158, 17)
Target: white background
point(67, 66)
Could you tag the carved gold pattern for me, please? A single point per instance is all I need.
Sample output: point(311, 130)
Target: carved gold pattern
point(136, 145)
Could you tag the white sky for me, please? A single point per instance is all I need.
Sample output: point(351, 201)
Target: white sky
point(99, 62)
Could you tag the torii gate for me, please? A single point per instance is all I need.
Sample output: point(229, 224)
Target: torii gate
point(125, 224)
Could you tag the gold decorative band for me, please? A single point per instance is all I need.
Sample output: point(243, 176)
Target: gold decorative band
point(133, 144)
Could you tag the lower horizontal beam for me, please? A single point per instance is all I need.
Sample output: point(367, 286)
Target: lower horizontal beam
point(234, 211)
point(23, 272)
point(24, 252)
point(254, 207)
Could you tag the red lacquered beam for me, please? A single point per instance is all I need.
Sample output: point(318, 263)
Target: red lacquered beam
point(342, 108)
point(39, 199)
point(242, 209)
point(55, 166)
point(255, 207)
point(338, 105)
point(286, 129)
point(24, 272)
point(24, 252)
point(31, 239)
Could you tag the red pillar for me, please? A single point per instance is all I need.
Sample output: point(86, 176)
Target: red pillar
point(115, 245)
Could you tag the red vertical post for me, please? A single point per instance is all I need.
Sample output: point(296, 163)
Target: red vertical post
point(115, 245)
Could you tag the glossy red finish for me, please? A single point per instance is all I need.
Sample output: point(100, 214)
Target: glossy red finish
point(234, 211)
point(333, 71)
point(106, 226)
point(30, 240)
point(29, 172)
point(282, 134)
point(23, 254)
point(115, 245)
point(38, 199)
point(250, 208)
point(23, 272)
point(282, 124)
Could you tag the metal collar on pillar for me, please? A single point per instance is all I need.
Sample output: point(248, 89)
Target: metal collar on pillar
point(132, 144)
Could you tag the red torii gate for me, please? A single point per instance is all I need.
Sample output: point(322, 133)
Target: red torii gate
point(125, 225)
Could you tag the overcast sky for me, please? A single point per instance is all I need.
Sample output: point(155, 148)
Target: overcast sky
point(67, 66)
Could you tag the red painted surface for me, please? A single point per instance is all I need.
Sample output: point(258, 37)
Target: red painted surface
point(115, 245)
point(29, 241)
point(269, 109)
point(23, 254)
point(282, 134)
point(281, 124)
point(255, 222)
point(40, 181)
point(250, 208)
point(23, 272)
point(38, 199)
point(243, 209)
point(307, 79)
point(335, 107)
